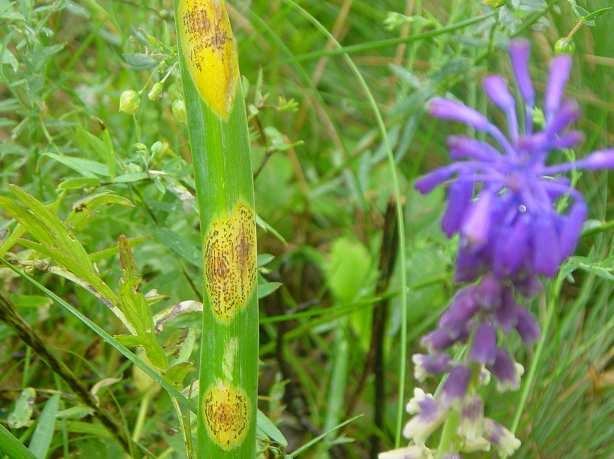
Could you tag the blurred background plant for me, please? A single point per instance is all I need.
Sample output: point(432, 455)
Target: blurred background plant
point(92, 131)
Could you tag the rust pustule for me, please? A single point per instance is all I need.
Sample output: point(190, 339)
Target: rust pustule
point(226, 415)
point(230, 262)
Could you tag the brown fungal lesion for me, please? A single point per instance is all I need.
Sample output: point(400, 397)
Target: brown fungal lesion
point(226, 413)
point(230, 262)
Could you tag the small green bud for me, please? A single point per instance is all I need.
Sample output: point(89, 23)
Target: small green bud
point(495, 3)
point(179, 112)
point(564, 46)
point(156, 91)
point(538, 117)
point(129, 102)
point(140, 147)
point(159, 148)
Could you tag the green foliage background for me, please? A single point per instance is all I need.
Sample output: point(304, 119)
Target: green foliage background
point(322, 186)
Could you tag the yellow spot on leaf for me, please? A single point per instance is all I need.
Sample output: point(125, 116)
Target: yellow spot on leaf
point(226, 415)
point(210, 53)
point(230, 262)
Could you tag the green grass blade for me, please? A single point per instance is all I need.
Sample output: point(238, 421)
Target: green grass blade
point(13, 447)
point(41, 439)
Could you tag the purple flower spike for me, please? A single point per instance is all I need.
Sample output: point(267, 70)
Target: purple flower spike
point(520, 51)
point(456, 385)
point(510, 225)
point(526, 325)
point(560, 67)
point(484, 346)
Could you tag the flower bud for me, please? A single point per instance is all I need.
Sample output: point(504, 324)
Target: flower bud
point(129, 102)
point(179, 112)
point(156, 91)
point(564, 46)
point(159, 148)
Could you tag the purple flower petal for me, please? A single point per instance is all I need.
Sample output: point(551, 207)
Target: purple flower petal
point(572, 228)
point(477, 225)
point(496, 89)
point(488, 293)
point(546, 249)
point(469, 265)
point(437, 340)
point(464, 147)
point(505, 314)
point(428, 182)
point(560, 67)
point(504, 369)
point(459, 198)
point(562, 118)
point(456, 385)
point(455, 111)
point(512, 247)
point(427, 365)
point(569, 140)
point(455, 321)
point(502, 439)
point(484, 345)
point(526, 325)
point(520, 51)
point(602, 159)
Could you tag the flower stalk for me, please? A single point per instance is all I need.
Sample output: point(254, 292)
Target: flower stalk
point(219, 141)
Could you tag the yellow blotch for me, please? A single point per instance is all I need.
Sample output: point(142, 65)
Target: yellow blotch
point(230, 262)
point(210, 53)
point(226, 414)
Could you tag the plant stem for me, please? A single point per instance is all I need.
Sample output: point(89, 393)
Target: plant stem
point(219, 140)
point(526, 389)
